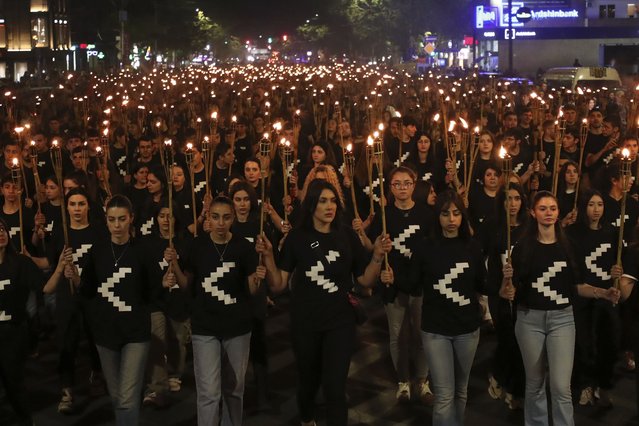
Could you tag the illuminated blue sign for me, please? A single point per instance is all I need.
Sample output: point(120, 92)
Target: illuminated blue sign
point(496, 15)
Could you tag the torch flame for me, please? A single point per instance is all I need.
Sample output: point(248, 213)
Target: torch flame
point(502, 152)
point(370, 141)
point(14, 162)
point(451, 126)
point(381, 127)
point(189, 146)
point(349, 148)
point(625, 153)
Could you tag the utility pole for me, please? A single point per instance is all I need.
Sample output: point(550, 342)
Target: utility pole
point(510, 37)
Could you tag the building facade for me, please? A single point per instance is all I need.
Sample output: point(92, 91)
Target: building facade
point(553, 33)
point(34, 37)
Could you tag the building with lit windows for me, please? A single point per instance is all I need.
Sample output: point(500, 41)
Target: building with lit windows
point(34, 36)
point(553, 33)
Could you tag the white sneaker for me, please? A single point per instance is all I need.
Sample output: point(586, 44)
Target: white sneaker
point(425, 394)
point(587, 397)
point(403, 392)
point(494, 390)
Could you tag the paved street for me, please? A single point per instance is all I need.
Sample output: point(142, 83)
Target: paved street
point(371, 389)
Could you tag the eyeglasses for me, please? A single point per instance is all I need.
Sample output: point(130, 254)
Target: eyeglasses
point(402, 185)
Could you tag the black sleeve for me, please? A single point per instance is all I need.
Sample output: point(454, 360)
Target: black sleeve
point(481, 275)
point(415, 271)
point(361, 257)
point(88, 279)
point(288, 258)
point(31, 275)
point(375, 229)
point(631, 264)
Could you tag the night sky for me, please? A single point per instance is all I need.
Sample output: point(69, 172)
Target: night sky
point(267, 17)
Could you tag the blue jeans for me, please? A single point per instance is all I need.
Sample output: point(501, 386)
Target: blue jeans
point(124, 374)
point(547, 338)
point(220, 367)
point(404, 328)
point(450, 359)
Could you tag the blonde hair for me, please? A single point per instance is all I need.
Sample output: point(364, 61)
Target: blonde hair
point(331, 177)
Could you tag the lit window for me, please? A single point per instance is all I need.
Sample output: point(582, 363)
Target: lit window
point(39, 6)
point(39, 33)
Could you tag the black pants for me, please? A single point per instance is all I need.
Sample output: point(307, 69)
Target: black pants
point(70, 332)
point(597, 341)
point(323, 358)
point(13, 356)
point(508, 367)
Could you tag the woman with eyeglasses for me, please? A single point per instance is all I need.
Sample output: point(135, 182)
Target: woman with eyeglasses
point(408, 223)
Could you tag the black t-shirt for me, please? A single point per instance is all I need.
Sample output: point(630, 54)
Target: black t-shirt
point(450, 271)
point(493, 238)
point(80, 241)
point(543, 275)
point(407, 229)
point(174, 301)
point(18, 276)
point(13, 222)
point(120, 160)
point(221, 298)
point(481, 207)
point(115, 280)
point(594, 144)
point(612, 215)
point(323, 267)
point(596, 252)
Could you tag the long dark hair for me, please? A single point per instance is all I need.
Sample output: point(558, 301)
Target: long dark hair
point(531, 235)
point(444, 201)
point(582, 217)
point(522, 215)
point(311, 199)
point(245, 186)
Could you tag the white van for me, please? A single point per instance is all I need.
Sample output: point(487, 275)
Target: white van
point(585, 77)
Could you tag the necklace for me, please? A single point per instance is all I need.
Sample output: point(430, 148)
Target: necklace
point(117, 260)
point(226, 245)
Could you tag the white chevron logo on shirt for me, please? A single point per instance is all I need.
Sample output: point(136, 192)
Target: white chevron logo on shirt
point(41, 163)
point(341, 168)
point(213, 290)
point(77, 255)
point(106, 290)
point(15, 230)
point(591, 261)
point(608, 158)
point(164, 264)
point(49, 227)
point(3, 315)
point(541, 284)
point(146, 227)
point(617, 222)
point(518, 167)
point(399, 161)
point(398, 243)
point(443, 285)
point(200, 186)
point(332, 256)
point(316, 273)
point(367, 190)
point(250, 239)
point(120, 160)
point(427, 176)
